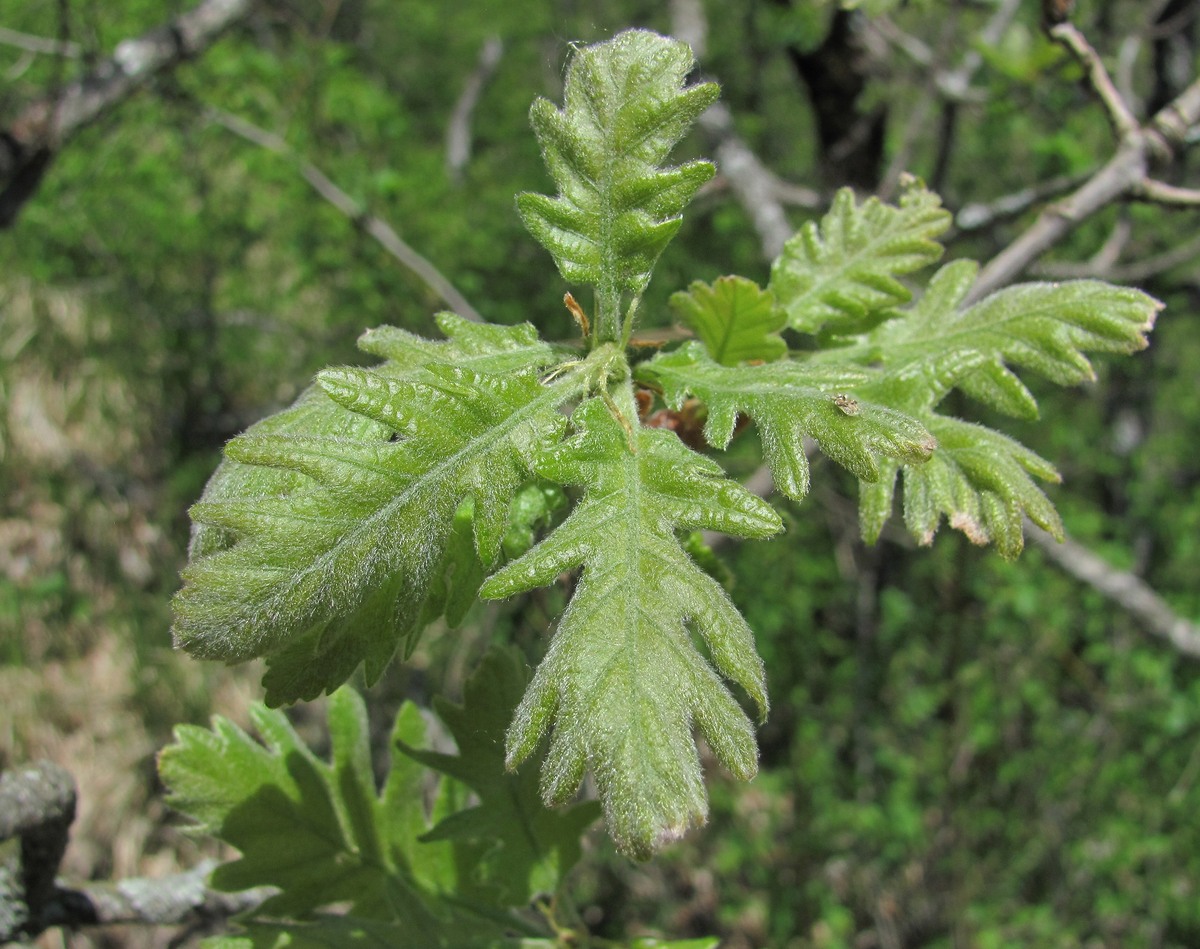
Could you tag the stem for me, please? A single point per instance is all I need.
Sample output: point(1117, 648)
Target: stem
point(607, 325)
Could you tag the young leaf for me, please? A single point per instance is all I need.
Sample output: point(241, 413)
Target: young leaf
point(344, 568)
point(734, 319)
point(1043, 327)
point(840, 277)
point(788, 401)
point(617, 208)
point(979, 479)
point(535, 846)
point(622, 683)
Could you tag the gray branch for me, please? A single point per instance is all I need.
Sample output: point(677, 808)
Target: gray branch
point(1129, 592)
point(458, 132)
point(759, 190)
point(46, 125)
point(37, 806)
point(1125, 176)
point(379, 229)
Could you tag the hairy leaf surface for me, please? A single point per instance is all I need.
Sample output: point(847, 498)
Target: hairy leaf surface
point(841, 276)
point(623, 684)
point(350, 563)
point(734, 318)
point(1046, 328)
point(625, 108)
point(980, 480)
point(789, 401)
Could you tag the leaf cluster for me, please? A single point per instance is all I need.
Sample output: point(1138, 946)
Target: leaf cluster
point(391, 496)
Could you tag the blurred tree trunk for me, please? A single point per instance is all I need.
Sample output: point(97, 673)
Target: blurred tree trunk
point(835, 76)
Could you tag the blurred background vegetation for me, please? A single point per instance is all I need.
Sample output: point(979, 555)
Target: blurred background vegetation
point(962, 752)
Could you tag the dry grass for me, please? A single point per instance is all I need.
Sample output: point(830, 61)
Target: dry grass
point(87, 676)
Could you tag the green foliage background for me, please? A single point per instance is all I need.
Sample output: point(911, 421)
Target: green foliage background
point(961, 751)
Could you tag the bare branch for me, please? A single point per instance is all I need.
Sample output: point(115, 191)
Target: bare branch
point(754, 185)
point(1123, 121)
point(458, 132)
point(976, 216)
point(1137, 271)
point(1129, 592)
point(1122, 173)
point(758, 190)
point(376, 227)
point(46, 125)
point(1124, 176)
point(39, 44)
point(1159, 192)
point(37, 806)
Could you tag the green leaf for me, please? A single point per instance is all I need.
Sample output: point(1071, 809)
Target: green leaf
point(623, 683)
point(352, 563)
point(535, 846)
point(789, 401)
point(625, 108)
point(321, 834)
point(734, 319)
point(309, 828)
point(840, 277)
point(978, 479)
point(484, 347)
point(1044, 327)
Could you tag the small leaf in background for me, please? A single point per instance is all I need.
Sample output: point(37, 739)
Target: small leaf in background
point(322, 834)
point(734, 318)
point(534, 846)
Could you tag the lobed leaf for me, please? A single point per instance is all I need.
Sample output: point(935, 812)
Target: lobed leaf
point(841, 276)
point(788, 402)
point(1044, 327)
point(625, 108)
point(534, 846)
point(622, 684)
point(366, 546)
point(313, 830)
point(978, 479)
point(734, 318)
point(321, 834)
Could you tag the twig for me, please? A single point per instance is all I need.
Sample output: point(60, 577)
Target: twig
point(39, 44)
point(1137, 271)
point(952, 85)
point(751, 181)
point(1124, 176)
point(1123, 121)
point(458, 132)
point(758, 190)
point(1129, 592)
point(376, 227)
point(46, 125)
point(1159, 192)
point(976, 216)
